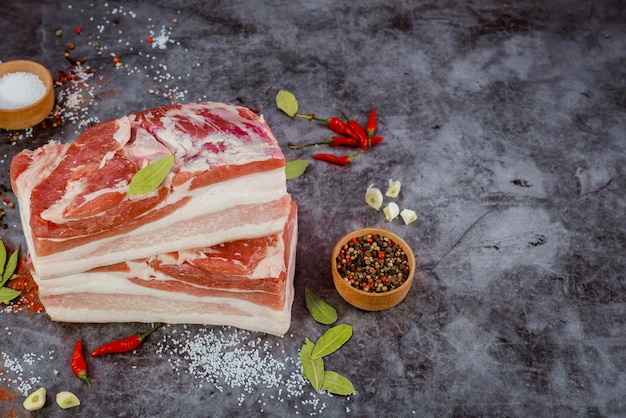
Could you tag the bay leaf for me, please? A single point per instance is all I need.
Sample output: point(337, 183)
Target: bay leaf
point(312, 369)
point(295, 168)
point(7, 294)
point(10, 267)
point(335, 383)
point(319, 309)
point(151, 176)
point(3, 257)
point(332, 340)
point(287, 102)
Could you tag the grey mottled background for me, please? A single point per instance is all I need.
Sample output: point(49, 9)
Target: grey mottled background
point(505, 122)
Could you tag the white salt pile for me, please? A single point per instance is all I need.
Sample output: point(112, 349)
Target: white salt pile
point(20, 89)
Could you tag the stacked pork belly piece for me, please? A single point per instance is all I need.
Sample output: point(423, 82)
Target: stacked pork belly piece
point(214, 243)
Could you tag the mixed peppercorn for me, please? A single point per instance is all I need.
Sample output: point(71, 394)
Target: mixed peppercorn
point(373, 263)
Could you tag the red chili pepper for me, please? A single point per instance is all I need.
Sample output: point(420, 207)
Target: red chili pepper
point(123, 345)
point(371, 126)
point(333, 141)
point(376, 140)
point(360, 133)
point(357, 131)
point(336, 125)
point(339, 160)
point(79, 367)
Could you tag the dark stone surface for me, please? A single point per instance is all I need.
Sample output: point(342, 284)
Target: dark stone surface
point(506, 124)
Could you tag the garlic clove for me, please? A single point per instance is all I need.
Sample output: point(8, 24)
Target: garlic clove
point(391, 211)
point(394, 188)
point(408, 216)
point(374, 197)
point(67, 400)
point(36, 400)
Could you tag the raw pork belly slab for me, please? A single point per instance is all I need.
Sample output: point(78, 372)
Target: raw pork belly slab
point(228, 183)
point(246, 283)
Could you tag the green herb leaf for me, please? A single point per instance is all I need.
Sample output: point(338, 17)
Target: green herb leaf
point(337, 384)
point(10, 267)
point(7, 294)
point(151, 176)
point(331, 340)
point(3, 257)
point(294, 169)
point(312, 369)
point(287, 102)
point(319, 309)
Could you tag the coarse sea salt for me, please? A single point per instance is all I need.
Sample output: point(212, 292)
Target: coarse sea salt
point(224, 358)
point(20, 89)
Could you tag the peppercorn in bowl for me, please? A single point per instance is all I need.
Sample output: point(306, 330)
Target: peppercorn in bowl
point(26, 94)
point(372, 268)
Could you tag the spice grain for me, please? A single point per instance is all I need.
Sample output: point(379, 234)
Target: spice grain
point(373, 263)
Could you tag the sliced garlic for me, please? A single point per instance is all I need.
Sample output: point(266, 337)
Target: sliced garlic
point(374, 197)
point(408, 216)
point(67, 400)
point(394, 188)
point(391, 211)
point(36, 400)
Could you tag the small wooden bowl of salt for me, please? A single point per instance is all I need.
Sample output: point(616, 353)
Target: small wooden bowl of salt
point(26, 94)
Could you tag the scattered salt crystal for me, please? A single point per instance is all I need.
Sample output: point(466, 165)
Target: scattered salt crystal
point(20, 89)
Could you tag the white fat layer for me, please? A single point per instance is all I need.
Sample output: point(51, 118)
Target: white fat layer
point(251, 317)
point(274, 323)
point(122, 135)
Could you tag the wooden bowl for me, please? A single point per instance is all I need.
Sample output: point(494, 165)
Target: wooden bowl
point(372, 301)
point(31, 115)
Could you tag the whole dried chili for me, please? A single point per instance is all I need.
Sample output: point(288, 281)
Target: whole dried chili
point(371, 126)
point(79, 367)
point(333, 141)
point(123, 345)
point(334, 159)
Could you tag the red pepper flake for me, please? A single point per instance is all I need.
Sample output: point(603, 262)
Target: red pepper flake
point(57, 116)
point(149, 39)
point(78, 30)
point(24, 282)
point(71, 46)
point(116, 60)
